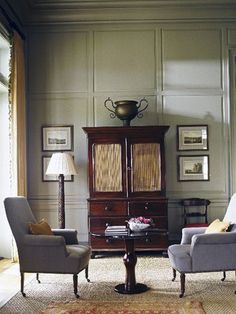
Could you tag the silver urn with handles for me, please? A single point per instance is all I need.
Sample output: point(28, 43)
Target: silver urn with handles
point(126, 110)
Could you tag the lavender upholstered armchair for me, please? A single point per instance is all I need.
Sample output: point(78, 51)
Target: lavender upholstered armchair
point(205, 252)
point(59, 253)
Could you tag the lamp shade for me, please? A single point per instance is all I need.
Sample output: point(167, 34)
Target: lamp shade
point(61, 163)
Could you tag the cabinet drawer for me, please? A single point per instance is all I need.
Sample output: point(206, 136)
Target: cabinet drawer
point(108, 208)
point(160, 222)
point(106, 244)
point(100, 224)
point(155, 242)
point(147, 209)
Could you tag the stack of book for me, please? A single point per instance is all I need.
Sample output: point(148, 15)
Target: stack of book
point(116, 230)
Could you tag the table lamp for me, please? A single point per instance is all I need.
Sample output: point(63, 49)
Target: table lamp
point(61, 164)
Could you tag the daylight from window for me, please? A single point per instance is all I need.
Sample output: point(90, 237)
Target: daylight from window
point(5, 247)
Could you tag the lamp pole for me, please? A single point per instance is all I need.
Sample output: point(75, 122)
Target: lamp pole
point(61, 164)
point(61, 202)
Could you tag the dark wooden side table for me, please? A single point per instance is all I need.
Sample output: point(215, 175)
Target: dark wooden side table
point(130, 258)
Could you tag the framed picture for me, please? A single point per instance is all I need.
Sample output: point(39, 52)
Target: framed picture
point(57, 138)
point(193, 168)
point(48, 178)
point(192, 137)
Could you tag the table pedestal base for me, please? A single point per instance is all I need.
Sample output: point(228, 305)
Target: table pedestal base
point(130, 286)
point(138, 288)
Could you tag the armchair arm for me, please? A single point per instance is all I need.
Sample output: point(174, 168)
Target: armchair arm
point(42, 253)
point(188, 233)
point(213, 251)
point(70, 235)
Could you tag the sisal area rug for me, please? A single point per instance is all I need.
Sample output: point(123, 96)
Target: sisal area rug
point(118, 307)
point(105, 273)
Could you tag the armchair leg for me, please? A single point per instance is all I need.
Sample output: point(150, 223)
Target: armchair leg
point(235, 290)
point(174, 274)
point(37, 277)
point(86, 274)
point(22, 277)
point(182, 281)
point(224, 276)
point(75, 281)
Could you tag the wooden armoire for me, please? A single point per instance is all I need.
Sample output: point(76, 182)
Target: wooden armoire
point(126, 174)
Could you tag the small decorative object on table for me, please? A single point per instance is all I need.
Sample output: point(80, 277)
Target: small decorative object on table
point(113, 230)
point(139, 223)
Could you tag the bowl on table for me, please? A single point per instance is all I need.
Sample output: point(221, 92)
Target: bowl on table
point(134, 226)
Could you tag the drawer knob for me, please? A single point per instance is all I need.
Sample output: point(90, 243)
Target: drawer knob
point(108, 240)
point(107, 208)
point(108, 224)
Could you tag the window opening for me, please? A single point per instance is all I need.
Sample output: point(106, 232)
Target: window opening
point(5, 240)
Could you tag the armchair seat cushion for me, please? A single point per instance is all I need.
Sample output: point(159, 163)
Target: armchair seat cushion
point(180, 259)
point(80, 254)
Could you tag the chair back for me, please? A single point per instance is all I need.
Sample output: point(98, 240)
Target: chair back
point(19, 215)
point(230, 215)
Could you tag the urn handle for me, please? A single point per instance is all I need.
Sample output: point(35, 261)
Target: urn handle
point(143, 100)
point(108, 100)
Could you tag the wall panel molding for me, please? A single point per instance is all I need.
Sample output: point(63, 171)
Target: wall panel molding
point(198, 66)
point(61, 59)
point(193, 102)
point(122, 58)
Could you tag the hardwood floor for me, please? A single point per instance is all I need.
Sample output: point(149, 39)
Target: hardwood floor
point(5, 263)
point(9, 280)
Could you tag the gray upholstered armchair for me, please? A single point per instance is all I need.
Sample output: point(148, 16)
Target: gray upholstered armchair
point(205, 252)
point(57, 253)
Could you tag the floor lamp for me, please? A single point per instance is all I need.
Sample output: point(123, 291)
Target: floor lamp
point(61, 164)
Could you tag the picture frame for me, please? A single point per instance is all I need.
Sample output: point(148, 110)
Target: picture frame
point(57, 137)
point(193, 167)
point(192, 137)
point(51, 178)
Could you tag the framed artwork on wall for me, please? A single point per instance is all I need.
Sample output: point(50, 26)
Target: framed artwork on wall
point(51, 178)
point(193, 168)
point(57, 138)
point(192, 137)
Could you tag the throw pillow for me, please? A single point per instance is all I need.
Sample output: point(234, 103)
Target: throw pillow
point(41, 227)
point(217, 226)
